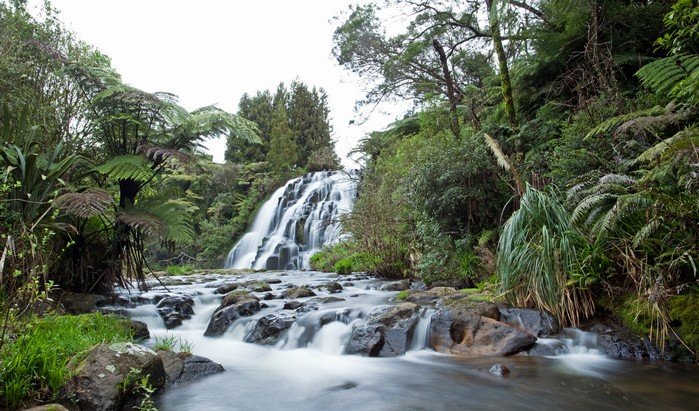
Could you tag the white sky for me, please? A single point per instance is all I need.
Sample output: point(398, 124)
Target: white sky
point(212, 51)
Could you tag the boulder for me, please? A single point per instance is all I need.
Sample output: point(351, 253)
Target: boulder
point(298, 292)
point(268, 296)
point(386, 332)
point(270, 329)
point(258, 287)
point(173, 309)
point(616, 340)
point(535, 322)
point(226, 288)
point(396, 286)
point(273, 281)
point(326, 300)
point(79, 303)
point(236, 304)
point(293, 305)
point(139, 330)
point(103, 380)
point(331, 287)
point(430, 296)
point(183, 367)
point(460, 326)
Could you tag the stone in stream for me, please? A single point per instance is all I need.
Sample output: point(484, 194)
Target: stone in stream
point(103, 380)
point(500, 370)
point(386, 332)
point(270, 329)
point(298, 292)
point(273, 281)
point(139, 330)
point(226, 288)
point(396, 286)
point(293, 305)
point(430, 296)
point(236, 304)
point(332, 287)
point(183, 367)
point(535, 322)
point(174, 309)
point(467, 327)
point(269, 296)
point(258, 287)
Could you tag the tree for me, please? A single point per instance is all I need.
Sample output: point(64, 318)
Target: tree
point(258, 109)
point(282, 149)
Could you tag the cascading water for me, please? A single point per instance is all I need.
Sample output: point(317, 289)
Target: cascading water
point(299, 218)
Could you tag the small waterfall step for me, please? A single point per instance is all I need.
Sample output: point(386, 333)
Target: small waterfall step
point(299, 218)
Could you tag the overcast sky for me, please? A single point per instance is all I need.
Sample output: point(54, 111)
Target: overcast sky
point(213, 51)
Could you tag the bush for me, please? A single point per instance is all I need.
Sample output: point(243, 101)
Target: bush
point(342, 255)
point(343, 267)
point(35, 364)
point(179, 269)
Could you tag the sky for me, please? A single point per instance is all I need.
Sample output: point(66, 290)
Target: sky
point(213, 51)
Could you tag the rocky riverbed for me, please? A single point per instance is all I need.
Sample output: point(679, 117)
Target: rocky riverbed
point(306, 340)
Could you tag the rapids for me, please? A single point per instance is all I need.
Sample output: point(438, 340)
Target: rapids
point(307, 370)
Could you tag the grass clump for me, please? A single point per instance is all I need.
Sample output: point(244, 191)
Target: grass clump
point(403, 295)
point(35, 363)
point(342, 256)
point(169, 342)
point(184, 269)
point(684, 312)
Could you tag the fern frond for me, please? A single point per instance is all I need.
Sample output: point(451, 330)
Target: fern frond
point(613, 123)
point(85, 204)
point(159, 154)
point(128, 167)
point(672, 75)
point(164, 219)
point(666, 149)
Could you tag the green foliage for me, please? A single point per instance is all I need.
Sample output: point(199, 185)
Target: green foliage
point(683, 311)
point(175, 270)
point(282, 153)
point(35, 364)
point(344, 255)
point(539, 259)
point(402, 295)
point(343, 267)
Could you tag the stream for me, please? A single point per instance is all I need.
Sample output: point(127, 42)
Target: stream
point(307, 370)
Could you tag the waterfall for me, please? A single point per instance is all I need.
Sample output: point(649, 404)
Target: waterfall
point(299, 218)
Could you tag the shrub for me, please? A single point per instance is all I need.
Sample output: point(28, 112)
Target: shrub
point(179, 269)
point(35, 364)
point(343, 267)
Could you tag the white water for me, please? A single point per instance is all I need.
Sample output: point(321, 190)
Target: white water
point(297, 220)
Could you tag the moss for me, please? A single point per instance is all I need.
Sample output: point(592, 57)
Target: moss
point(634, 313)
point(403, 295)
point(684, 311)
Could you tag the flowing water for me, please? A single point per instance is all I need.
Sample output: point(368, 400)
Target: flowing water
point(298, 219)
point(307, 370)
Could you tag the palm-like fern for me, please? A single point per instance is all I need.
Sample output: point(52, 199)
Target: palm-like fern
point(676, 76)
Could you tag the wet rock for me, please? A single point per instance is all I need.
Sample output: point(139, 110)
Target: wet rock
point(431, 295)
point(616, 340)
point(346, 386)
point(298, 292)
point(462, 305)
point(500, 370)
point(79, 303)
point(139, 330)
point(464, 327)
point(174, 309)
point(100, 382)
point(48, 407)
point(293, 305)
point(259, 287)
point(270, 329)
point(396, 286)
point(326, 300)
point(386, 332)
point(236, 304)
point(226, 288)
point(544, 349)
point(535, 322)
point(183, 367)
point(268, 296)
point(331, 287)
point(348, 284)
point(273, 281)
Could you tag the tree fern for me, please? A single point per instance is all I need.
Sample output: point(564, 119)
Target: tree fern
point(86, 203)
point(676, 76)
point(127, 167)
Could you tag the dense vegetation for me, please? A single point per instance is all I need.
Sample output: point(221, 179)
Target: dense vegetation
point(554, 143)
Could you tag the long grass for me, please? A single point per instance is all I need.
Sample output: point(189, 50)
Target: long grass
point(540, 259)
point(34, 365)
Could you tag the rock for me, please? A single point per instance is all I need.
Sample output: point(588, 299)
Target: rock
point(183, 367)
point(236, 304)
point(331, 287)
point(616, 340)
point(326, 300)
point(396, 286)
point(431, 295)
point(226, 288)
point(348, 284)
point(48, 407)
point(259, 287)
point(459, 328)
point(139, 329)
point(293, 305)
point(268, 296)
point(535, 322)
point(78, 303)
point(270, 329)
point(499, 370)
point(101, 380)
point(386, 332)
point(273, 281)
point(462, 305)
point(298, 292)
point(174, 309)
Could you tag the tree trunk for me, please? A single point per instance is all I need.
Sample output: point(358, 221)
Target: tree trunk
point(502, 65)
point(451, 90)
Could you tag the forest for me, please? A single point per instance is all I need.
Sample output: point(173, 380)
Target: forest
point(550, 160)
